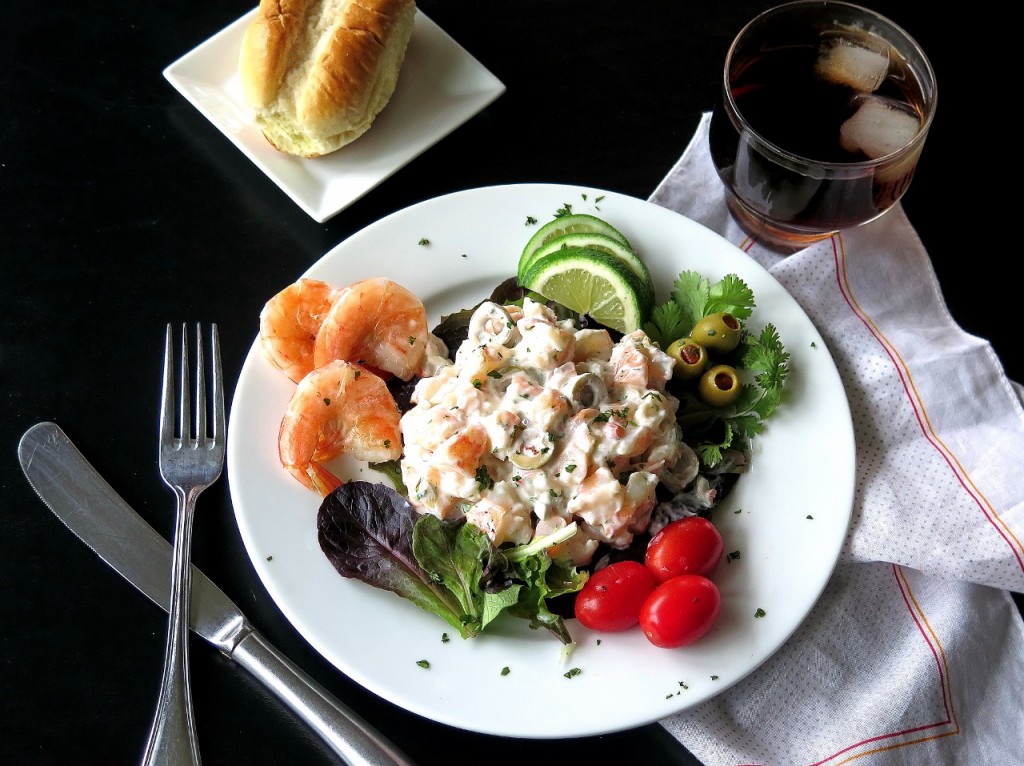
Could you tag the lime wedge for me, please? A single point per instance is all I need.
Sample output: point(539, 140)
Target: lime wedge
point(573, 223)
point(591, 282)
point(606, 244)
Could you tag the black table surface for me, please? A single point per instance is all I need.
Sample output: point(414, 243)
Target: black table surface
point(124, 209)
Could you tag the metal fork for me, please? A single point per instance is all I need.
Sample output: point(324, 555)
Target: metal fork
point(188, 464)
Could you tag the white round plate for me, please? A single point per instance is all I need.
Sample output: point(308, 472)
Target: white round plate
point(786, 518)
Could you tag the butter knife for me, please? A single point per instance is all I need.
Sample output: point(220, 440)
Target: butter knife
point(69, 485)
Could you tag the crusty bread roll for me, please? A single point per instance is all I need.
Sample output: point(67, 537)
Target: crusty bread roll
point(317, 72)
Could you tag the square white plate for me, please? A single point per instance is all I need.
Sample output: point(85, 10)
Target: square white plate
point(440, 87)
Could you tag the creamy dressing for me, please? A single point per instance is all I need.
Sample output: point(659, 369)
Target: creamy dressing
point(536, 425)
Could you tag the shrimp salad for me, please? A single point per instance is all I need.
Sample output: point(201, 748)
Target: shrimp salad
point(527, 447)
point(536, 425)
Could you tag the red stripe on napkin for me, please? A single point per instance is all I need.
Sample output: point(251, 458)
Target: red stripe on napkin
point(1015, 545)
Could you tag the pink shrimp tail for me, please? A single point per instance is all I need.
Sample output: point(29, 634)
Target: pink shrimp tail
point(322, 480)
point(315, 477)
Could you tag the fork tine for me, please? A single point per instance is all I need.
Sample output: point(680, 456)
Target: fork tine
point(200, 389)
point(218, 389)
point(167, 394)
point(185, 411)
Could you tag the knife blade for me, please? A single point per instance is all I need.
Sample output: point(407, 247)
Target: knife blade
point(69, 485)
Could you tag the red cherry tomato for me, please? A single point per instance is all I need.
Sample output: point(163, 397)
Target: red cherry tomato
point(610, 600)
point(680, 611)
point(691, 545)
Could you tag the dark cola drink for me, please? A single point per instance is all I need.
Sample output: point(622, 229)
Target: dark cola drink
point(824, 114)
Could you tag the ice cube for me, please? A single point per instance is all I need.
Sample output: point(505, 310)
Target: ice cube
point(845, 62)
point(879, 126)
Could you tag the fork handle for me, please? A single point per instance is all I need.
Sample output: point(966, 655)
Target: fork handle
point(172, 737)
point(348, 735)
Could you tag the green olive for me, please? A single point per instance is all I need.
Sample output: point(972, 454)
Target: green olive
point(586, 390)
point(719, 332)
point(689, 356)
point(719, 386)
point(531, 450)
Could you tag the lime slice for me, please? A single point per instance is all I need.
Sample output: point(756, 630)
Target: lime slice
point(560, 226)
point(591, 282)
point(606, 244)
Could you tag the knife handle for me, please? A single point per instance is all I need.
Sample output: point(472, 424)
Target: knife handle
point(348, 735)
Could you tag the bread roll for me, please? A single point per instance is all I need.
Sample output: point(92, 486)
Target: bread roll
point(317, 72)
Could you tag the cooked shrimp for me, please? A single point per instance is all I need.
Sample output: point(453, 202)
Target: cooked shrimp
point(632, 368)
point(613, 512)
point(465, 450)
point(502, 522)
point(377, 323)
point(338, 408)
point(289, 323)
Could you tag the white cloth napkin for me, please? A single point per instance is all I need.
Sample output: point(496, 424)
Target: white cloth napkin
point(915, 652)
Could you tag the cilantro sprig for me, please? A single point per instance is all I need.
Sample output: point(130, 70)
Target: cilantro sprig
point(693, 298)
point(713, 430)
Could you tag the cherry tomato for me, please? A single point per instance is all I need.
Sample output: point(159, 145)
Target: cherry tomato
point(610, 600)
point(680, 611)
point(690, 545)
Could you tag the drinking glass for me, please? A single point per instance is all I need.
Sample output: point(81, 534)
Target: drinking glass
point(824, 112)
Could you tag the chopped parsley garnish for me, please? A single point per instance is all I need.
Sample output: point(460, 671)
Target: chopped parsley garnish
point(483, 478)
point(572, 672)
point(607, 415)
point(423, 663)
point(760, 613)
